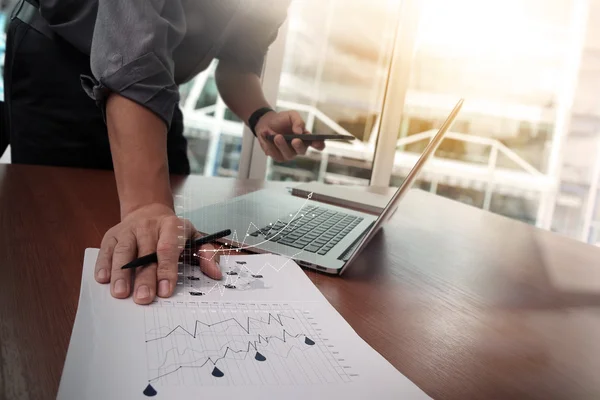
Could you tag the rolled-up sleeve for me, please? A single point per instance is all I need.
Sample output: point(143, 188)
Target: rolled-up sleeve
point(250, 39)
point(131, 53)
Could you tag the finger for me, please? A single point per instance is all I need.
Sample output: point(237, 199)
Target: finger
point(210, 255)
point(285, 149)
point(270, 148)
point(263, 145)
point(144, 285)
point(173, 234)
point(299, 146)
point(318, 144)
point(125, 251)
point(297, 122)
point(274, 153)
point(104, 260)
point(209, 261)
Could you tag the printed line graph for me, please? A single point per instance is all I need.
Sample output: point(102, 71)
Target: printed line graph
point(252, 344)
point(245, 328)
point(243, 345)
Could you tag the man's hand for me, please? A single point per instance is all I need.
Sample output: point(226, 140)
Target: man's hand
point(283, 123)
point(151, 228)
point(242, 93)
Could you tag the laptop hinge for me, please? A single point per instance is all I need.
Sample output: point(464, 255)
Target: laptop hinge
point(350, 250)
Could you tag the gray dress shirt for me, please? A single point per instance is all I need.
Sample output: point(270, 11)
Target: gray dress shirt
point(143, 49)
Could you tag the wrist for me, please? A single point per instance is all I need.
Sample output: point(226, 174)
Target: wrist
point(166, 205)
point(145, 190)
point(149, 210)
point(257, 116)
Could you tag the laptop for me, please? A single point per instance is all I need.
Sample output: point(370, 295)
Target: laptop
point(316, 235)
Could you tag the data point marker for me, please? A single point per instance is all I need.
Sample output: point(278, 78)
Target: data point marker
point(150, 391)
point(217, 372)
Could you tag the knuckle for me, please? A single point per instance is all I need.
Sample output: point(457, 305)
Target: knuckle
point(144, 227)
point(109, 236)
point(166, 267)
point(124, 247)
point(108, 241)
point(167, 264)
point(172, 219)
point(166, 247)
point(186, 222)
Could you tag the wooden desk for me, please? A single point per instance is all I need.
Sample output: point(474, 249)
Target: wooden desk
point(466, 304)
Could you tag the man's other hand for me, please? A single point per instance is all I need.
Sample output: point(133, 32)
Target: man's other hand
point(283, 123)
point(151, 228)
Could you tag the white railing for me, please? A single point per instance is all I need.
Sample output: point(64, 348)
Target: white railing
point(496, 147)
point(493, 177)
point(526, 178)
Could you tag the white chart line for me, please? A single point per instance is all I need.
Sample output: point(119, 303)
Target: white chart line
point(221, 287)
point(243, 246)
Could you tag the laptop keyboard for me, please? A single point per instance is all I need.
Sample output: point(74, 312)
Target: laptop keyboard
point(315, 229)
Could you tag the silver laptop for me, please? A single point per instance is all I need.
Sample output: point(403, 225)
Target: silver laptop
point(316, 235)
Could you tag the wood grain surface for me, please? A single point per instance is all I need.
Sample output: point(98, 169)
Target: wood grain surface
point(466, 304)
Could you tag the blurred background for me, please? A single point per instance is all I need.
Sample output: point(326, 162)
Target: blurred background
point(526, 144)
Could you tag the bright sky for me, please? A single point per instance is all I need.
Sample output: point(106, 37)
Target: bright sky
point(487, 28)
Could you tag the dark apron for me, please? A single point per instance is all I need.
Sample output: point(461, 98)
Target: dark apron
point(49, 119)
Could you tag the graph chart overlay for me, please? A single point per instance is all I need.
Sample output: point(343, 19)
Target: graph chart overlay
point(239, 275)
point(217, 343)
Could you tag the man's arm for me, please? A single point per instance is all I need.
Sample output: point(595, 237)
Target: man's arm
point(240, 64)
point(138, 144)
point(241, 91)
point(148, 224)
point(131, 60)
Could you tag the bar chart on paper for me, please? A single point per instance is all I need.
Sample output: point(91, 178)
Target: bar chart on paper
point(238, 344)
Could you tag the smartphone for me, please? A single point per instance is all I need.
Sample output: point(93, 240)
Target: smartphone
point(312, 138)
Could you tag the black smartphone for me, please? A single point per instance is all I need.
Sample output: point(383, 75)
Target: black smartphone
point(312, 138)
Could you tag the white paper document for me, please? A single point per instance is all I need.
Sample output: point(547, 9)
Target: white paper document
point(263, 332)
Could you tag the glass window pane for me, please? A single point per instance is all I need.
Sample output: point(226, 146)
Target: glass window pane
point(335, 65)
point(213, 131)
point(209, 94)
point(508, 59)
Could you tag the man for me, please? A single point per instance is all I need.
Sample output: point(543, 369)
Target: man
point(93, 83)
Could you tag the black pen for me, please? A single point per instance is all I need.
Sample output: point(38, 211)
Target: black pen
point(153, 258)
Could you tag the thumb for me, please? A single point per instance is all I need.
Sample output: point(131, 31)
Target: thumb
point(209, 259)
point(297, 123)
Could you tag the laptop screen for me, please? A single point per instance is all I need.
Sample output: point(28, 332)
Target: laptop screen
point(389, 209)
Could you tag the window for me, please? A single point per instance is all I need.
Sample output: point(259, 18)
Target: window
point(213, 132)
point(335, 66)
point(496, 155)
